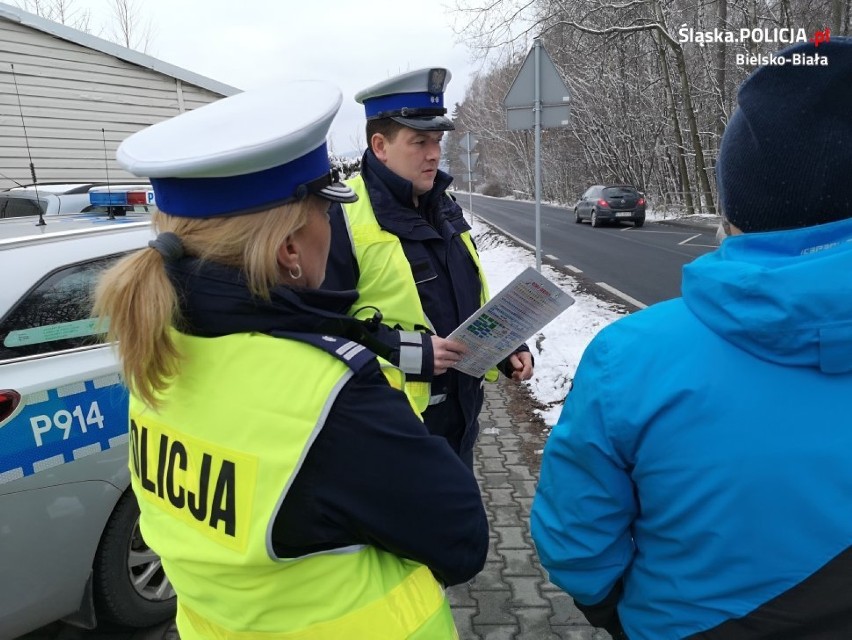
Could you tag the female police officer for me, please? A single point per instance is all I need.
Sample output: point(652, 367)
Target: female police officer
point(289, 490)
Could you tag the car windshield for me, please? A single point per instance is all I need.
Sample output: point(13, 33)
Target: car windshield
point(615, 192)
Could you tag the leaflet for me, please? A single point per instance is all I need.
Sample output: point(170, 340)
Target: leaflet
point(510, 318)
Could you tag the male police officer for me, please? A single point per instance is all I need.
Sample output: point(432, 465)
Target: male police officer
point(406, 248)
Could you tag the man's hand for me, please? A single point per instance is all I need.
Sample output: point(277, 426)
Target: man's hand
point(447, 353)
point(522, 365)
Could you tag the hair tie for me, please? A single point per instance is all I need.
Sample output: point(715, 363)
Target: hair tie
point(168, 245)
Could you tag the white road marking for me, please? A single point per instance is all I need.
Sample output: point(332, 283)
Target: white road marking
point(697, 235)
point(622, 295)
point(547, 255)
point(571, 267)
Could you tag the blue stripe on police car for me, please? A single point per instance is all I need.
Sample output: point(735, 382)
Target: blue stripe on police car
point(62, 425)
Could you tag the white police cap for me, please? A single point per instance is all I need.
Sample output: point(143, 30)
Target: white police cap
point(245, 153)
point(414, 99)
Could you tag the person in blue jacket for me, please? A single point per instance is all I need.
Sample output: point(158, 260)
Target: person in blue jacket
point(698, 482)
point(406, 248)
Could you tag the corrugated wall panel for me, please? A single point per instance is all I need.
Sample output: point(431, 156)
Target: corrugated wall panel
point(68, 94)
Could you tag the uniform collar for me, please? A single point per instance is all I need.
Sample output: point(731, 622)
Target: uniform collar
point(215, 301)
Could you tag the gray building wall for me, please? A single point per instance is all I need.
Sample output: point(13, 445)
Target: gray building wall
point(79, 97)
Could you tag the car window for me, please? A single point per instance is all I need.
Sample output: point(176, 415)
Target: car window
point(590, 193)
point(55, 315)
point(14, 207)
point(619, 191)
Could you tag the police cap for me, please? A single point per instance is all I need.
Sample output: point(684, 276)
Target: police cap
point(414, 99)
point(249, 152)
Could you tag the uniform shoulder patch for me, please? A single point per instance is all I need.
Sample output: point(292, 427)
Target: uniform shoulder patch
point(352, 354)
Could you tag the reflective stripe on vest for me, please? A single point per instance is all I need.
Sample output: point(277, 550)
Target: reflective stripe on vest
point(210, 471)
point(386, 282)
point(396, 379)
point(399, 615)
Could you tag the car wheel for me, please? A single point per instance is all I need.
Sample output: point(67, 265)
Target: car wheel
point(131, 588)
point(577, 217)
point(595, 221)
point(638, 223)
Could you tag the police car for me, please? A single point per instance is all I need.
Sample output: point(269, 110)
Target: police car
point(70, 546)
point(53, 198)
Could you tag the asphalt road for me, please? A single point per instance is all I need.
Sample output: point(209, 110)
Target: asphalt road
point(641, 266)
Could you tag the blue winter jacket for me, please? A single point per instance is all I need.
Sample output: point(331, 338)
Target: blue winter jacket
point(700, 474)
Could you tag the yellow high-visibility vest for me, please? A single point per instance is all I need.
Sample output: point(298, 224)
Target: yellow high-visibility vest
point(386, 281)
point(210, 469)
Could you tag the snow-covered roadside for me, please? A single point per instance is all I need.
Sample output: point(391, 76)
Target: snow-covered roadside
point(558, 346)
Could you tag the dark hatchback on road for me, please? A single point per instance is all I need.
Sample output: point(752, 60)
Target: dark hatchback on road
point(603, 204)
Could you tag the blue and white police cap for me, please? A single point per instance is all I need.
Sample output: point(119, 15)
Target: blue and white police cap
point(249, 152)
point(414, 99)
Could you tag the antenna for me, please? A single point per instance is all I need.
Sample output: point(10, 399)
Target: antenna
point(110, 208)
point(41, 221)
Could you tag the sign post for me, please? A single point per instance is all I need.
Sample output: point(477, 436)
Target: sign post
point(469, 159)
point(537, 98)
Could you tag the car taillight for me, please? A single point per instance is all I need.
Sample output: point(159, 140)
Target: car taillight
point(9, 401)
point(641, 201)
point(603, 203)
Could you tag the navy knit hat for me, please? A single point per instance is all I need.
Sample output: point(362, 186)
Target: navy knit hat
point(785, 160)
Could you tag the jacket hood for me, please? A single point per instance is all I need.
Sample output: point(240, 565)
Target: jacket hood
point(783, 296)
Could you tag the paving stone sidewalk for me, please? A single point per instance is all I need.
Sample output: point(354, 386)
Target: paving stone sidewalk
point(511, 598)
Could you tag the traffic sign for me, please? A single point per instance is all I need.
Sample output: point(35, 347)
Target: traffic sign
point(553, 94)
point(538, 98)
point(469, 159)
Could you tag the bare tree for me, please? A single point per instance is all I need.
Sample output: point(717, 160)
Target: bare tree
point(129, 28)
point(648, 104)
point(61, 11)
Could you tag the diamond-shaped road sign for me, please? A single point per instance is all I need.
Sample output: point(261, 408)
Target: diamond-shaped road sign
point(553, 94)
point(468, 141)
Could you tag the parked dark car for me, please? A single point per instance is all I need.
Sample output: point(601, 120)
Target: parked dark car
point(603, 204)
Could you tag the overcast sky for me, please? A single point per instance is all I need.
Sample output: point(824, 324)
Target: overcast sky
point(353, 44)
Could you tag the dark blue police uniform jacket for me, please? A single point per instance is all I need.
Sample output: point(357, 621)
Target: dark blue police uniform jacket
point(447, 281)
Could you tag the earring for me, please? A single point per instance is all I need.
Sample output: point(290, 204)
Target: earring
point(298, 273)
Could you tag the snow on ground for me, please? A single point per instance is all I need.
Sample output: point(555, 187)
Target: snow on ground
point(558, 346)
